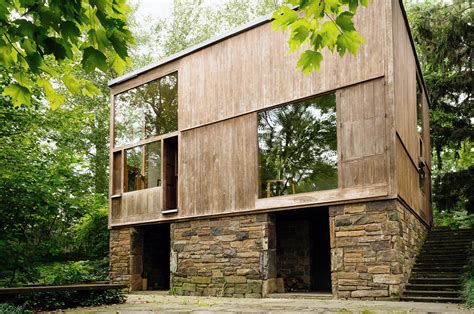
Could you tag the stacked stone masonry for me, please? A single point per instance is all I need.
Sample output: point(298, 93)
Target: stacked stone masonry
point(373, 248)
point(120, 255)
point(233, 256)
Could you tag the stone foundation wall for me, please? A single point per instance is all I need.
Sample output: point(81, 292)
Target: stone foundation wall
point(232, 256)
point(120, 255)
point(126, 257)
point(373, 246)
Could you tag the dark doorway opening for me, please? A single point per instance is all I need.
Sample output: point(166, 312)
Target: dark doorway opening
point(303, 250)
point(171, 173)
point(156, 256)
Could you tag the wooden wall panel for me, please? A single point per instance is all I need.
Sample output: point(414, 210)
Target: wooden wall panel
point(409, 185)
point(404, 84)
point(252, 71)
point(408, 140)
point(138, 206)
point(362, 123)
point(218, 167)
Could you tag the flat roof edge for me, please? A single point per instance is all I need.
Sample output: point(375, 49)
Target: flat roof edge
point(233, 32)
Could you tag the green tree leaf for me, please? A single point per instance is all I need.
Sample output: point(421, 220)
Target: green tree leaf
point(309, 61)
point(344, 20)
point(284, 17)
point(329, 33)
point(349, 41)
point(72, 83)
point(93, 58)
point(323, 24)
point(20, 95)
point(55, 99)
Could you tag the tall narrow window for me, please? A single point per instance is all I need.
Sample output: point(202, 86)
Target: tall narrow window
point(143, 167)
point(147, 110)
point(298, 147)
point(419, 109)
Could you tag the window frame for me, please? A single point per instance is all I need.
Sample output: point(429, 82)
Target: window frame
point(338, 143)
point(115, 150)
point(115, 93)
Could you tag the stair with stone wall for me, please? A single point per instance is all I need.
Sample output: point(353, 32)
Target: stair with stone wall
point(437, 274)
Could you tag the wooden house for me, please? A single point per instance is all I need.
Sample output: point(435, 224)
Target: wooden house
point(234, 174)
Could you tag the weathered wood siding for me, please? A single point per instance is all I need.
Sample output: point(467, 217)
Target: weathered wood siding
point(223, 86)
point(252, 71)
point(407, 139)
point(137, 206)
point(218, 168)
point(362, 140)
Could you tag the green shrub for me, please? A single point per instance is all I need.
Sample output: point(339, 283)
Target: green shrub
point(468, 284)
point(47, 301)
point(455, 219)
point(73, 272)
point(6, 308)
point(92, 234)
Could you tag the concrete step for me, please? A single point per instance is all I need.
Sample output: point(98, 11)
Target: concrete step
point(463, 252)
point(432, 293)
point(432, 299)
point(444, 256)
point(448, 240)
point(436, 281)
point(435, 274)
point(450, 246)
point(457, 262)
point(434, 287)
point(452, 256)
point(437, 268)
point(449, 234)
point(437, 264)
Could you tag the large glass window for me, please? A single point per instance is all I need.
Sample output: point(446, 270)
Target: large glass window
point(147, 110)
point(143, 167)
point(298, 147)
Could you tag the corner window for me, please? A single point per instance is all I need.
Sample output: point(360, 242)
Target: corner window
point(148, 110)
point(143, 167)
point(298, 147)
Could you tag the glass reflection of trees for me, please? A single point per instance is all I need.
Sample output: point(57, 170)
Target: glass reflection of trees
point(298, 147)
point(143, 167)
point(147, 110)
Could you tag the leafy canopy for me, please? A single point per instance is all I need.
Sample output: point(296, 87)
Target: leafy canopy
point(39, 39)
point(322, 24)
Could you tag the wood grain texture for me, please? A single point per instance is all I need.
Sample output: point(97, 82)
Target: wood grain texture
point(218, 167)
point(138, 205)
point(222, 87)
point(407, 146)
point(323, 197)
point(252, 71)
point(362, 123)
point(409, 185)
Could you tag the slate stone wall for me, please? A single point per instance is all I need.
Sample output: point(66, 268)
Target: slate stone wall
point(373, 247)
point(231, 256)
point(119, 254)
